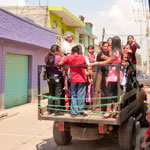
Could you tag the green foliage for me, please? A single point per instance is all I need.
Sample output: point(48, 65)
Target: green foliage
point(139, 59)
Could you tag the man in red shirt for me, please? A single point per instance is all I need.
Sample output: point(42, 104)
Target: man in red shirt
point(78, 81)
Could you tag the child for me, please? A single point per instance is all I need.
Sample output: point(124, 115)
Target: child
point(90, 55)
point(125, 72)
point(90, 87)
point(78, 81)
point(116, 58)
point(55, 77)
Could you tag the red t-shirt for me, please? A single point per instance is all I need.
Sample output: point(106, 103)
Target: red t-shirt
point(77, 73)
point(134, 51)
point(148, 132)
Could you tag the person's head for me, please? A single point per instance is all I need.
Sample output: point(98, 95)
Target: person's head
point(129, 53)
point(100, 45)
point(75, 50)
point(116, 44)
point(127, 47)
point(109, 41)
point(109, 48)
point(91, 49)
point(50, 58)
point(68, 36)
point(130, 39)
point(80, 49)
point(105, 47)
point(55, 49)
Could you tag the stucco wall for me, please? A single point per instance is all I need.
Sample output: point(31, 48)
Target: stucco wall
point(15, 28)
point(18, 36)
point(36, 57)
point(53, 17)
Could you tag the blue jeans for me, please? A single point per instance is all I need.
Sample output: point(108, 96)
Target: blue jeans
point(78, 90)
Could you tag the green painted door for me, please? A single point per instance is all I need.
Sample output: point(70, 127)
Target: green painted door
point(16, 80)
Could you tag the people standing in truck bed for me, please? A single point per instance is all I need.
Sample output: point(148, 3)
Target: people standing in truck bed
point(116, 58)
point(134, 46)
point(55, 80)
point(100, 75)
point(78, 81)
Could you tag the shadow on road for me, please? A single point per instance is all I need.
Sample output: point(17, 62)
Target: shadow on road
point(107, 143)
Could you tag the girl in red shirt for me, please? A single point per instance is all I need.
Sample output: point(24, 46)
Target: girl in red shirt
point(134, 46)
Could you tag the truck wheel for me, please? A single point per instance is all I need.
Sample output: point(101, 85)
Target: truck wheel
point(61, 137)
point(127, 135)
point(143, 121)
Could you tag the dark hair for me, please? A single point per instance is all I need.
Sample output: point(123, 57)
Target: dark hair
point(100, 43)
point(128, 45)
point(49, 59)
point(130, 36)
point(90, 46)
point(116, 44)
point(109, 38)
point(104, 43)
point(80, 49)
point(75, 49)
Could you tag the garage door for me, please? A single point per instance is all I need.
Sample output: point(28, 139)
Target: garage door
point(16, 80)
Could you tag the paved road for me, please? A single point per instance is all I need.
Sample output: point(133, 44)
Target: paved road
point(22, 131)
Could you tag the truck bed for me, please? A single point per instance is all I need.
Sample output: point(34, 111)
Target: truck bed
point(91, 118)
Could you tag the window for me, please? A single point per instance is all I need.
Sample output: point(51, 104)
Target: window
point(54, 24)
point(80, 38)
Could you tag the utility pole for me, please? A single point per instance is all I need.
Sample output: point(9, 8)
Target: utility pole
point(39, 2)
point(103, 34)
point(148, 42)
point(148, 38)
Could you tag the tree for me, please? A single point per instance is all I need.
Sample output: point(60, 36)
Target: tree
point(139, 59)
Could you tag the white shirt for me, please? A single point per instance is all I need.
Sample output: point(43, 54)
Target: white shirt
point(66, 47)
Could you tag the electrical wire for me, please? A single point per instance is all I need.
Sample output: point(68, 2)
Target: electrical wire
point(24, 7)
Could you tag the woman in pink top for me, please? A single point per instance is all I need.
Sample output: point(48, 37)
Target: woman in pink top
point(115, 59)
point(91, 55)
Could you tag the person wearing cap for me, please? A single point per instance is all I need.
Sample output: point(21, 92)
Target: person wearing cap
point(127, 70)
point(67, 44)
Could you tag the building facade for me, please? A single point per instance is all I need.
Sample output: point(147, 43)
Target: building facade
point(23, 46)
point(60, 19)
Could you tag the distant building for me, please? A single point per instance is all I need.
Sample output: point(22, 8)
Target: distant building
point(23, 46)
point(85, 34)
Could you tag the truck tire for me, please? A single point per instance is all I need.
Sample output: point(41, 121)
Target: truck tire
point(143, 121)
point(61, 137)
point(127, 135)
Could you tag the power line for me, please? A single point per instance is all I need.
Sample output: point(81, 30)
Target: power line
point(24, 6)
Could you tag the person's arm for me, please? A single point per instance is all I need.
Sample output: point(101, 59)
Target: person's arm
point(108, 61)
point(104, 57)
point(61, 63)
point(136, 44)
point(146, 138)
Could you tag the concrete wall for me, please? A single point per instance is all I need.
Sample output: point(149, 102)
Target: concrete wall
point(38, 14)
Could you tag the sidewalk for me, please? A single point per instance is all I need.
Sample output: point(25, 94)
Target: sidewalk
point(21, 129)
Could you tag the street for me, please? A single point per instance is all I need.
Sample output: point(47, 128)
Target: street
point(22, 131)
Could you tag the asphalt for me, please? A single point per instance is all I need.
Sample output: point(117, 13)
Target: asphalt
point(21, 130)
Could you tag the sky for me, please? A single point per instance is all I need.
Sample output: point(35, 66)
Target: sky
point(118, 17)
